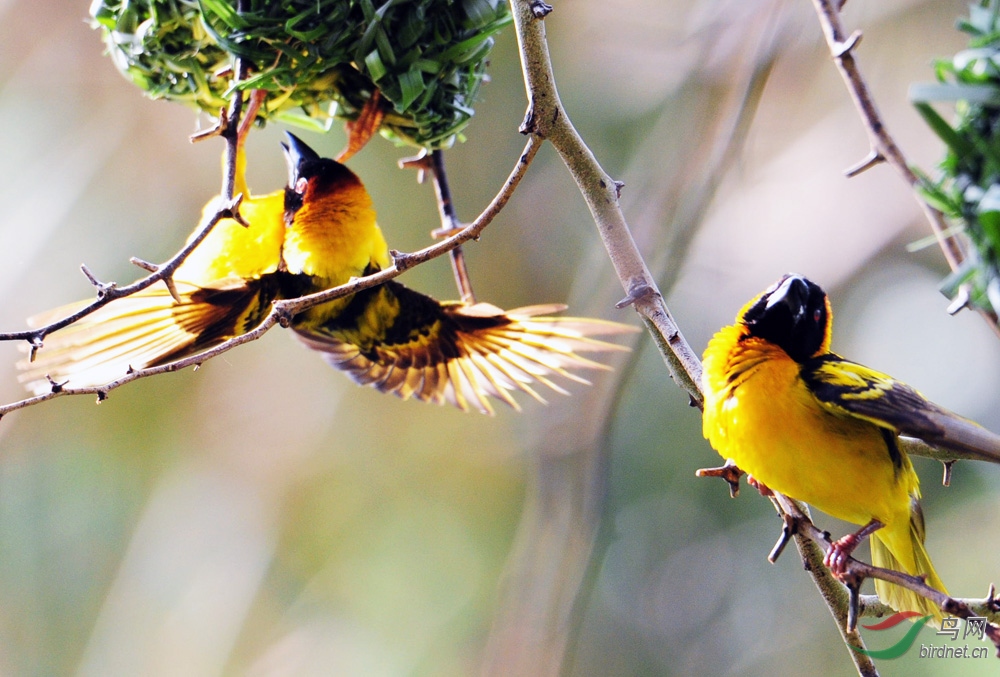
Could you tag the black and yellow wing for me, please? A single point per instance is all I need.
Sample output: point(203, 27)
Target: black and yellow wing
point(403, 342)
point(847, 388)
point(143, 330)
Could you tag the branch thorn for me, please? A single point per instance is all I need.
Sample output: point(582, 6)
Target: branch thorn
point(528, 125)
point(145, 265)
point(788, 529)
point(36, 343)
point(992, 600)
point(873, 158)
point(218, 129)
point(948, 465)
point(231, 210)
point(853, 604)
point(400, 260)
point(639, 289)
point(172, 288)
point(102, 287)
point(422, 163)
point(961, 300)
point(540, 9)
point(284, 317)
point(842, 48)
point(729, 472)
point(56, 387)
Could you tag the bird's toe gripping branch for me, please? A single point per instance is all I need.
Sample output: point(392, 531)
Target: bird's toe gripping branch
point(840, 551)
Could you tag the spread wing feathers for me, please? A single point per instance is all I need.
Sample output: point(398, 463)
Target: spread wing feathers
point(142, 330)
point(405, 343)
point(849, 388)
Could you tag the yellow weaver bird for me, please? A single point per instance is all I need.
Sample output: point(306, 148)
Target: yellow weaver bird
point(805, 422)
point(315, 234)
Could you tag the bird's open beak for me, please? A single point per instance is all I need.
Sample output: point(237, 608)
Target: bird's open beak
point(296, 153)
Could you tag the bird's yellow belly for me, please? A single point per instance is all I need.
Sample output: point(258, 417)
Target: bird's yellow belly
point(772, 428)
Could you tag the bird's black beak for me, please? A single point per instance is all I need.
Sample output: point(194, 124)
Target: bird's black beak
point(793, 293)
point(297, 153)
point(794, 315)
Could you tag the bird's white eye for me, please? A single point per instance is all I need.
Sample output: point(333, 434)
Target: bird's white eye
point(300, 186)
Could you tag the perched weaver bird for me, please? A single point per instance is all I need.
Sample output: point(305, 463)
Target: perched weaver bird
point(813, 426)
point(318, 233)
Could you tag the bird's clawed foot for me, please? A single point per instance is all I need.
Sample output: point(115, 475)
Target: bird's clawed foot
point(840, 550)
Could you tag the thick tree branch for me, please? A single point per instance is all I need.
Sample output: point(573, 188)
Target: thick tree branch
point(547, 119)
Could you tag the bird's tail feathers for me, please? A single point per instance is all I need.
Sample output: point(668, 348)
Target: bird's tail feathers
point(918, 563)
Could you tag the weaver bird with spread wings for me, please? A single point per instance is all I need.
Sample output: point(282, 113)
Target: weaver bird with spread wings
point(805, 422)
point(317, 233)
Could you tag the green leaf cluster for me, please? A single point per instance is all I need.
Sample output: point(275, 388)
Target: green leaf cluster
point(317, 59)
point(968, 188)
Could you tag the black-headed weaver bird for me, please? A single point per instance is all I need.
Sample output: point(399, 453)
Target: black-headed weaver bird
point(805, 422)
point(317, 233)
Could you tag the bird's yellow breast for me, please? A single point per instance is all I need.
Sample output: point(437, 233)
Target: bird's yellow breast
point(335, 237)
point(760, 413)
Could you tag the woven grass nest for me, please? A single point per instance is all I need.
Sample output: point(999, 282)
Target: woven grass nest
point(318, 59)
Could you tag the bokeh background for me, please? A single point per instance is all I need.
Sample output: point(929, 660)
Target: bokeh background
point(264, 516)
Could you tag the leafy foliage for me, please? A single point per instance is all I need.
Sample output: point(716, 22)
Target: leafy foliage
point(968, 189)
point(318, 59)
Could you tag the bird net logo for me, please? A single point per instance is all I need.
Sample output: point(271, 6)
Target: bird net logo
point(950, 646)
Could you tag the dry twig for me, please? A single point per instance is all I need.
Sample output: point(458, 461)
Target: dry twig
point(433, 162)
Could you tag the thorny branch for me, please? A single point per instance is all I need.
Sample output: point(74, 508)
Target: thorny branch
point(110, 291)
point(228, 127)
point(883, 146)
point(845, 602)
point(546, 118)
point(798, 522)
point(282, 311)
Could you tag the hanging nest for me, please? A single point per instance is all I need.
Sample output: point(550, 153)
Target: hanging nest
point(968, 188)
point(317, 59)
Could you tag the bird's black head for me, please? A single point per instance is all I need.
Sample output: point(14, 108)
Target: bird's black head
point(309, 175)
point(793, 314)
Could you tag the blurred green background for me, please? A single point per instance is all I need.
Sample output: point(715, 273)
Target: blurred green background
point(264, 516)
